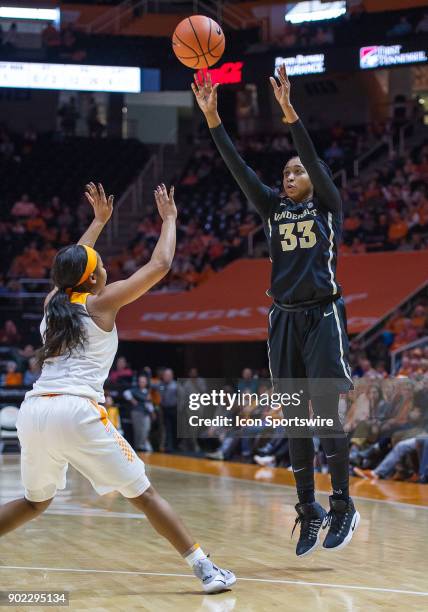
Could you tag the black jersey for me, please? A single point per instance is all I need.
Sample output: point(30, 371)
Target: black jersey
point(302, 237)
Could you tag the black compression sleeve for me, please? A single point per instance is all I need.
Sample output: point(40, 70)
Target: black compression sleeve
point(260, 195)
point(324, 187)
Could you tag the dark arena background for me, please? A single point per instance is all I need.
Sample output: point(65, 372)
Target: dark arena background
point(92, 91)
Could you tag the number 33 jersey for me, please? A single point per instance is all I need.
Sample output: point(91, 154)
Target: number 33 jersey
point(303, 240)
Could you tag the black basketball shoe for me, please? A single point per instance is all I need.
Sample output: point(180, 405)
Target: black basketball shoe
point(310, 517)
point(342, 521)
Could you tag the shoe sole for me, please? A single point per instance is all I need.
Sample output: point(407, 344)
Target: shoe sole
point(315, 546)
point(348, 536)
point(219, 584)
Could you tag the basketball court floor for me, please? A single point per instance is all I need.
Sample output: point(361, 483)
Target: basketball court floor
point(109, 558)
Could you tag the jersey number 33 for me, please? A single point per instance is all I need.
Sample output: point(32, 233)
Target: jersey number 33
point(299, 233)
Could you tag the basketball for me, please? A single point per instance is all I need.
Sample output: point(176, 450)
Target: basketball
point(198, 42)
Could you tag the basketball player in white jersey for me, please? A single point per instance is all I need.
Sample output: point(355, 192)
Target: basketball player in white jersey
point(61, 422)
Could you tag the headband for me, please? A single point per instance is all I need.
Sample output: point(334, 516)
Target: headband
point(91, 264)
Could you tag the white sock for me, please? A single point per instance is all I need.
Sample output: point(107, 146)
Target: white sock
point(196, 555)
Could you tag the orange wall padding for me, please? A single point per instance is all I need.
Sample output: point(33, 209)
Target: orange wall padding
point(232, 306)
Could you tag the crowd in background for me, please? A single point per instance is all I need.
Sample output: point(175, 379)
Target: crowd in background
point(60, 43)
point(386, 210)
point(385, 419)
point(351, 27)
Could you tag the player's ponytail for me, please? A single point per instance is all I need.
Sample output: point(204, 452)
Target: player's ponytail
point(65, 331)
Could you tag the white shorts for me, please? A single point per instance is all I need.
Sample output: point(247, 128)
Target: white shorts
point(57, 430)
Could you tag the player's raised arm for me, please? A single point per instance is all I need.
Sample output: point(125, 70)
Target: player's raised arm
point(117, 294)
point(103, 209)
point(324, 186)
point(260, 195)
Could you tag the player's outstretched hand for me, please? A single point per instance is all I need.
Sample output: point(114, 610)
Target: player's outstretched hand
point(165, 202)
point(103, 206)
point(205, 93)
point(281, 91)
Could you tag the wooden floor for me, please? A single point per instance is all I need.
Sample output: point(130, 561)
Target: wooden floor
point(109, 559)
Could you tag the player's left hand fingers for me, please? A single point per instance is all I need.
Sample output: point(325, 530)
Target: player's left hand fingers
point(197, 84)
point(101, 190)
point(284, 72)
point(274, 84)
point(89, 198)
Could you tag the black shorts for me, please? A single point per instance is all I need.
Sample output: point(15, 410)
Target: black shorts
point(310, 344)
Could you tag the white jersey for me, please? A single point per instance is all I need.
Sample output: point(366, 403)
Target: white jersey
point(84, 372)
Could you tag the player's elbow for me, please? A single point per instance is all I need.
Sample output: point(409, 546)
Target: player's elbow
point(162, 265)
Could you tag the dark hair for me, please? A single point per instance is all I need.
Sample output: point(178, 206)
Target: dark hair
point(65, 331)
point(321, 161)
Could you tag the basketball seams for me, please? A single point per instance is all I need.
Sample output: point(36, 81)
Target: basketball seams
point(194, 61)
point(197, 38)
point(209, 36)
point(183, 43)
point(215, 47)
point(198, 55)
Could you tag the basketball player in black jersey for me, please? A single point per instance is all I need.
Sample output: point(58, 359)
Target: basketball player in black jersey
point(307, 321)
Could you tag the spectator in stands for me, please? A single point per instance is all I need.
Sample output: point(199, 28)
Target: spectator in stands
point(404, 442)
point(22, 356)
point(33, 372)
point(12, 378)
point(422, 25)
point(333, 153)
point(9, 334)
point(408, 334)
point(69, 114)
point(248, 383)
point(365, 369)
point(51, 39)
point(141, 413)
point(403, 406)
point(95, 127)
point(402, 28)
point(193, 384)
point(24, 207)
point(398, 227)
point(122, 374)
point(11, 38)
point(112, 411)
point(168, 392)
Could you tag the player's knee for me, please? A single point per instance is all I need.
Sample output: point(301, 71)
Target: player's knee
point(38, 507)
point(146, 498)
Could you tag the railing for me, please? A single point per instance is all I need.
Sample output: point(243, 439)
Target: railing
point(222, 12)
point(402, 349)
point(377, 147)
point(133, 196)
point(250, 239)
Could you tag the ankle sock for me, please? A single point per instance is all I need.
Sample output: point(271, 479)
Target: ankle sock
point(194, 554)
point(341, 494)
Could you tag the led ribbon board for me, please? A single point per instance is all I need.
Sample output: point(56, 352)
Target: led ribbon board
point(72, 77)
point(302, 64)
point(378, 56)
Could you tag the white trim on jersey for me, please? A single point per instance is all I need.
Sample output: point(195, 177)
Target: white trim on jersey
point(330, 252)
point(270, 229)
point(339, 329)
point(268, 345)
